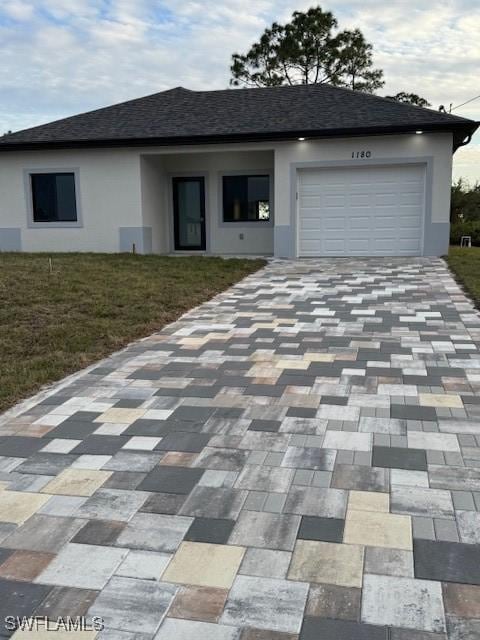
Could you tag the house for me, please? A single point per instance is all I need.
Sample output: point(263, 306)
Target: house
point(290, 171)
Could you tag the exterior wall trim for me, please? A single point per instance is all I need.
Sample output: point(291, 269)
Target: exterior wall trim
point(427, 161)
point(29, 198)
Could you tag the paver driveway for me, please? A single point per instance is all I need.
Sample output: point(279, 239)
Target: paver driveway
point(298, 457)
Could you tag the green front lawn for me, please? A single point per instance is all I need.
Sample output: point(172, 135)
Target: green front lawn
point(465, 264)
point(54, 321)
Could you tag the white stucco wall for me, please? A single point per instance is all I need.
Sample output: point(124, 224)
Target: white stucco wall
point(108, 189)
point(436, 145)
point(131, 188)
point(154, 201)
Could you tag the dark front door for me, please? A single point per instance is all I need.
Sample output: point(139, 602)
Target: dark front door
point(189, 213)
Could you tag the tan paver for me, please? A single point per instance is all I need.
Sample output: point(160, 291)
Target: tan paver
point(369, 501)
point(440, 400)
point(77, 482)
point(207, 565)
point(18, 506)
point(327, 562)
point(123, 416)
point(377, 529)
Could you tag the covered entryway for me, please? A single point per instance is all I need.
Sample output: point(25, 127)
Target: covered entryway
point(361, 211)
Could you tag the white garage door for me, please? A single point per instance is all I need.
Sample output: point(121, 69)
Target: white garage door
point(364, 211)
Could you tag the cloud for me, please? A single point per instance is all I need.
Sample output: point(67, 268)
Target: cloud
point(60, 57)
point(18, 10)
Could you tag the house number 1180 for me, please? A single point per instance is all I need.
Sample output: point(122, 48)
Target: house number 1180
point(361, 154)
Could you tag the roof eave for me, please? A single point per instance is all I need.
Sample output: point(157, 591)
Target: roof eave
point(460, 131)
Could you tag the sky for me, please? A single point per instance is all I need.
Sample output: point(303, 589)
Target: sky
point(61, 57)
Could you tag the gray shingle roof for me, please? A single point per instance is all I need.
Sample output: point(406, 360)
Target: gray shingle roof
point(180, 115)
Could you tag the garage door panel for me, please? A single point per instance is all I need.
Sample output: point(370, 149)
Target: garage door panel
point(410, 199)
point(335, 247)
point(360, 200)
point(334, 200)
point(310, 226)
point(361, 211)
point(385, 222)
point(366, 175)
point(311, 202)
point(362, 241)
point(359, 223)
point(311, 216)
point(405, 246)
point(385, 199)
point(387, 213)
point(409, 222)
point(311, 229)
point(410, 237)
point(411, 175)
point(334, 224)
point(409, 210)
point(358, 245)
point(310, 177)
point(384, 245)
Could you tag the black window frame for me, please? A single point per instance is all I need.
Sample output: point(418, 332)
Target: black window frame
point(246, 220)
point(56, 220)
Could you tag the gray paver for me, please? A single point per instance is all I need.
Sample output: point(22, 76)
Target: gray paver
point(266, 603)
point(403, 602)
point(147, 600)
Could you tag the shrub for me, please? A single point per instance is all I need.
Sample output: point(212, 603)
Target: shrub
point(467, 228)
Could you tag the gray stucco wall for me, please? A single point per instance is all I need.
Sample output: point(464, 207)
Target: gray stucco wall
point(10, 239)
point(436, 239)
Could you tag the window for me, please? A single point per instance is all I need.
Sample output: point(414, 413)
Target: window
point(246, 198)
point(53, 197)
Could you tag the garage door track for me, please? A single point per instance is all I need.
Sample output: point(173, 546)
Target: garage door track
point(297, 458)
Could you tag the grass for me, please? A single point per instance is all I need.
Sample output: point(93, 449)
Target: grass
point(56, 321)
point(465, 264)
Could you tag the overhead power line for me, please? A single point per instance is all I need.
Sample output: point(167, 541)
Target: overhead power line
point(464, 103)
